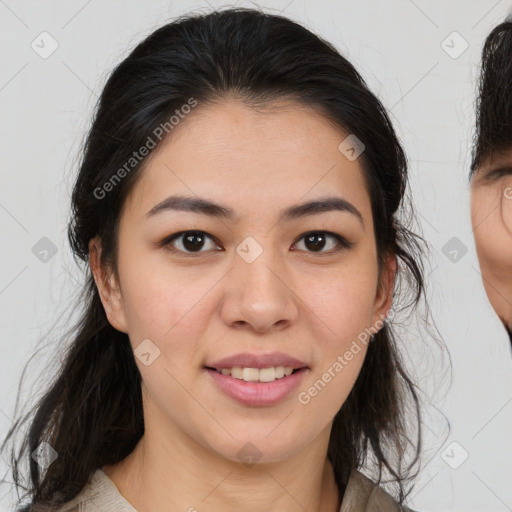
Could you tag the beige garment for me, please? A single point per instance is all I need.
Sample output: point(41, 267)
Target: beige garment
point(101, 495)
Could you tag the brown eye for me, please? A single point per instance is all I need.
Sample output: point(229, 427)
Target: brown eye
point(193, 242)
point(316, 241)
point(188, 242)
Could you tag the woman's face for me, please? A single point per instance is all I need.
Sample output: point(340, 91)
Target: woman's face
point(251, 289)
point(491, 215)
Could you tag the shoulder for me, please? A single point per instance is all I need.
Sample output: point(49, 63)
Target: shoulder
point(364, 495)
point(100, 493)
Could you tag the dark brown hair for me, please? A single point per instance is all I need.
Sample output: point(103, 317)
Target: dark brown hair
point(494, 103)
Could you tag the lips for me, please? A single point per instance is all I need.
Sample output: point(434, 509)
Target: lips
point(258, 361)
point(257, 379)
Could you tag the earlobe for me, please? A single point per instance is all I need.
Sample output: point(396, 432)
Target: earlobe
point(108, 287)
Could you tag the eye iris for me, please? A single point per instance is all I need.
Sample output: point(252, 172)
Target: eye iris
point(193, 241)
point(315, 241)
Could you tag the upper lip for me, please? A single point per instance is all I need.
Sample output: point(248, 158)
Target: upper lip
point(248, 360)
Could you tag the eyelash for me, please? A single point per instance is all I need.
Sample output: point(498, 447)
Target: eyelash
point(167, 242)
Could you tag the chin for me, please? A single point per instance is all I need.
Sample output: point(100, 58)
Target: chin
point(254, 449)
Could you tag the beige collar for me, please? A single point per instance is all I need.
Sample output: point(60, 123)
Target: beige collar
point(361, 495)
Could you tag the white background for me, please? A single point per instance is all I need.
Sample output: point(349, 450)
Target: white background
point(45, 109)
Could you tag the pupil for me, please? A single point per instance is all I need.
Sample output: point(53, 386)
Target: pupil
point(317, 241)
point(190, 241)
point(194, 241)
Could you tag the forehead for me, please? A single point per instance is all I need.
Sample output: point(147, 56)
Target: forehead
point(233, 150)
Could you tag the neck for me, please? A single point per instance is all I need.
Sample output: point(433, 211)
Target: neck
point(171, 472)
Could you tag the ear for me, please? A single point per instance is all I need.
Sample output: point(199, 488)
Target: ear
point(108, 287)
point(384, 296)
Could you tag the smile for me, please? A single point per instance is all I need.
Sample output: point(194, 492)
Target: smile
point(257, 374)
point(250, 387)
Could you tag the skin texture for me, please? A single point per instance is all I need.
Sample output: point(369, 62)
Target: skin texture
point(214, 304)
point(491, 216)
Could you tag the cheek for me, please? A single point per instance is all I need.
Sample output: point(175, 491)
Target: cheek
point(343, 298)
point(161, 299)
point(493, 237)
point(340, 307)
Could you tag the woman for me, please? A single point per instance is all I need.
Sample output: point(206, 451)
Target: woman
point(237, 206)
point(491, 172)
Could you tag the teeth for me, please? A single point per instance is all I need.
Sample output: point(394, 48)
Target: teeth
point(257, 375)
point(250, 374)
point(267, 374)
point(237, 373)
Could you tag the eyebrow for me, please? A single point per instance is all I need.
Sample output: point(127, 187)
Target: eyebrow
point(498, 169)
point(207, 207)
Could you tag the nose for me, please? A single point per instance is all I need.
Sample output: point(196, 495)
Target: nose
point(259, 295)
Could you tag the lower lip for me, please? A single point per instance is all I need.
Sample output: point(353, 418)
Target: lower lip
point(257, 393)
